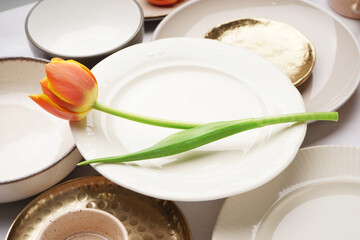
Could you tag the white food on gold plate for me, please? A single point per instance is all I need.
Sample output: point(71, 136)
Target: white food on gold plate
point(280, 43)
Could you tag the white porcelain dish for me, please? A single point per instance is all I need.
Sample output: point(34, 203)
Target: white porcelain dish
point(316, 197)
point(197, 80)
point(84, 30)
point(37, 149)
point(336, 74)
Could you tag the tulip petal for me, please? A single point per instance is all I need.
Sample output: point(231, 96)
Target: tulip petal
point(57, 59)
point(71, 83)
point(47, 104)
point(59, 101)
point(84, 68)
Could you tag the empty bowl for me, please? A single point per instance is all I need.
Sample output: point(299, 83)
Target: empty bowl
point(84, 223)
point(37, 149)
point(83, 30)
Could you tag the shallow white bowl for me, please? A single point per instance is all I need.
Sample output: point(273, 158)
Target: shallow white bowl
point(36, 149)
point(84, 30)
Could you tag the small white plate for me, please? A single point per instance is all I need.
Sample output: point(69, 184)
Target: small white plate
point(336, 74)
point(198, 80)
point(37, 149)
point(316, 197)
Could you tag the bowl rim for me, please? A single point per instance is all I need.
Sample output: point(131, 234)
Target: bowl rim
point(51, 53)
point(85, 210)
point(59, 159)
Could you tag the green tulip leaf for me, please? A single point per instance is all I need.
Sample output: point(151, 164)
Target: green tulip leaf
point(201, 135)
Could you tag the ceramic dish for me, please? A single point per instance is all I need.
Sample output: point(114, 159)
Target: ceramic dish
point(82, 224)
point(278, 42)
point(153, 12)
point(198, 80)
point(316, 197)
point(336, 74)
point(143, 217)
point(37, 149)
point(84, 30)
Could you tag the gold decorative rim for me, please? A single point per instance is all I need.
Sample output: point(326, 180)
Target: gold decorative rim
point(144, 217)
point(280, 43)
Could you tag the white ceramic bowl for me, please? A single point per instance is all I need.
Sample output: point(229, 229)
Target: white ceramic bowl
point(84, 223)
point(36, 149)
point(84, 30)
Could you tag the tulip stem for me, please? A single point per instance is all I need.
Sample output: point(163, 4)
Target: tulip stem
point(145, 119)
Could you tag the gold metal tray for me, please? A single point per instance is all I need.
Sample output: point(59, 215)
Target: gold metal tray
point(280, 43)
point(145, 218)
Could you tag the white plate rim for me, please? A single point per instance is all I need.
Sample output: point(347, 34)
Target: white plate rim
point(318, 176)
point(79, 129)
point(331, 14)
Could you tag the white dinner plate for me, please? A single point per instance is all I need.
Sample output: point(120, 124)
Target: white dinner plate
point(316, 197)
point(336, 73)
point(197, 80)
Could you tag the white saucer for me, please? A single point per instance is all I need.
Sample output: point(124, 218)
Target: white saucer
point(336, 74)
point(198, 80)
point(316, 197)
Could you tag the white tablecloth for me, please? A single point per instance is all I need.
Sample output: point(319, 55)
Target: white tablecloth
point(200, 215)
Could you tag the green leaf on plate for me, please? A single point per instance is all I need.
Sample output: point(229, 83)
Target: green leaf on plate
point(198, 136)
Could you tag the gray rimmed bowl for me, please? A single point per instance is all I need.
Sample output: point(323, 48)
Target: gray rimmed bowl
point(83, 30)
point(37, 149)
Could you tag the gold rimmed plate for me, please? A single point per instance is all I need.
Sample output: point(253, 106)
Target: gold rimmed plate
point(280, 43)
point(144, 217)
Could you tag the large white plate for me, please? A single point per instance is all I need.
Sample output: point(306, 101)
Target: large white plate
point(337, 69)
point(195, 80)
point(316, 197)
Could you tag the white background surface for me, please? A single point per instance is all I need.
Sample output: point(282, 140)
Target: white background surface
point(200, 215)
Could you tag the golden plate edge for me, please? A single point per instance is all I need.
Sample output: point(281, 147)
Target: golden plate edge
point(178, 212)
point(216, 32)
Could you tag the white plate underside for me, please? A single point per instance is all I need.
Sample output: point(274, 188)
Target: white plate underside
point(195, 80)
point(316, 197)
point(336, 73)
point(31, 139)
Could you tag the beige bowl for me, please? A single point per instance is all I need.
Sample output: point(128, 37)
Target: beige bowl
point(36, 149)
point(84, 223)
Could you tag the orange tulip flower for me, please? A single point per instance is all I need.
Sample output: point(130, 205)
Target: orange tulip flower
point(69, 89)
